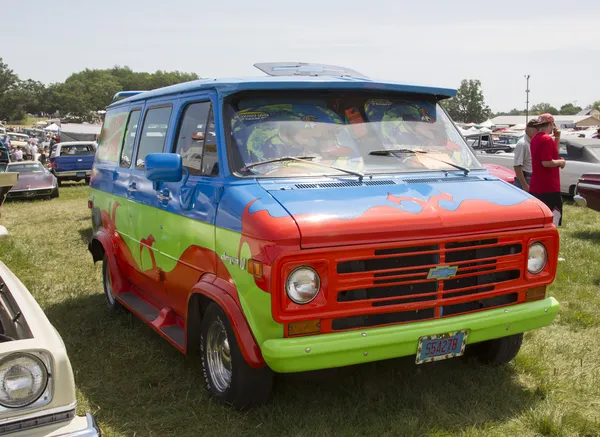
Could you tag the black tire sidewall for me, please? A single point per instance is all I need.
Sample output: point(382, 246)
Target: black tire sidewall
point(214, 312)
point(249, 386)
point(115, 305)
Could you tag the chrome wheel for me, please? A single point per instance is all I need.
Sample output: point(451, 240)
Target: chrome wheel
point(218, 355)
point(110, 295)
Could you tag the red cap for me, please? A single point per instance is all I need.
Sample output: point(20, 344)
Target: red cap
point(545, 118)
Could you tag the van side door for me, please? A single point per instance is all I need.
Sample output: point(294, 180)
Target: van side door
point(187, 209)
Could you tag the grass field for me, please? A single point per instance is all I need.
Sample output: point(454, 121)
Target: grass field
point(136, 384)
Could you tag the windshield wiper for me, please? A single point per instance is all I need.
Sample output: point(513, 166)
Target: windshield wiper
point(394, 152)
point(304, 159)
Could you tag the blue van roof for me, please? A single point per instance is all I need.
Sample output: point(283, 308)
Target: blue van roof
point(229, 86)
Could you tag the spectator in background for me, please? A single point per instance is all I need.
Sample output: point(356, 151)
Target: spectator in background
point(19, 155)
point(522, 158)
point(6, 141)
point(545, 180)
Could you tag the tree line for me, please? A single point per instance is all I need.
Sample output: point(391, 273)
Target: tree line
point(80, 95)
point(469, 105)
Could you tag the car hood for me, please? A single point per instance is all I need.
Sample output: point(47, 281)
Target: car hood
point(34, 180)
point(342, 213)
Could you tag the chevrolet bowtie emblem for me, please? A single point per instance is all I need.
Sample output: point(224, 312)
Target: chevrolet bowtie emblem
point(442, 272)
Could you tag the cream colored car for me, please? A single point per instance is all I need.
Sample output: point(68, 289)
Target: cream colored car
point(37, 390)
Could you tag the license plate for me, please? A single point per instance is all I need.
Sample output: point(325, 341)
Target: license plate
point(81, 174)
point(441, 347)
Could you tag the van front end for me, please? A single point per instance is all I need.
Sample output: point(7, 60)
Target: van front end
point(383, 301)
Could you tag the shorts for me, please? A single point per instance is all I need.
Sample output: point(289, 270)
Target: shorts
point(552, 201)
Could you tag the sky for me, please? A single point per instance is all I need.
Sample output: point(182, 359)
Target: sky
point(428, 42)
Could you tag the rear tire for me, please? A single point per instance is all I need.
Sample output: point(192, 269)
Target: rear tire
point(113, 304)
point(227, 375)
point(498, 351)
point(87, 181)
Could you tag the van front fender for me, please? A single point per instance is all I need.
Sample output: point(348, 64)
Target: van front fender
point(241, 328)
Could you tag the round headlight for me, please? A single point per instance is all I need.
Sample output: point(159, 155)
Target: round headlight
point(23, 379)
point(303, 285)
point(538, 256)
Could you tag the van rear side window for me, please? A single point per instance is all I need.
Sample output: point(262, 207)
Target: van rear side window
point(111, 137)
point(129, 140)
point(153, 135)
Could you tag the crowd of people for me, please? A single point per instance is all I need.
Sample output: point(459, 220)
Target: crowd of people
point(34, 150)
point(537, 163)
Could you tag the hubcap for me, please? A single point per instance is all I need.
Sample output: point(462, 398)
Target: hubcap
point(108, 284)
point(218, 356)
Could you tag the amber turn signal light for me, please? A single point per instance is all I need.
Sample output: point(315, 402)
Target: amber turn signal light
point(255, 268)
point(535, 293)
point(304, 327)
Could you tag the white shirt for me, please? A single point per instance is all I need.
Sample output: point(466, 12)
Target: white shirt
point(523, 154)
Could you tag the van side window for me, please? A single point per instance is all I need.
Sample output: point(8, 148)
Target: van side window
point(154, 131)
point(197, 140)
point(129, 139)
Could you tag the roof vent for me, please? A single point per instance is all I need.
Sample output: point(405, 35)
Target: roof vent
point(306, 69)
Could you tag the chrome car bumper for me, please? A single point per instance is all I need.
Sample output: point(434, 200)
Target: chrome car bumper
point(76, 427)
point(580, 200)
point(72, 174)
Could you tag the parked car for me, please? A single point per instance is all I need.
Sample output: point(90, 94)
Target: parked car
point(18, 140)
point(331, 222)
point(7, 181)
point(73, 161)
point(491, 143)
point(37, 395)
point(34, 181)
point(582, 155)
point(504, 173)
point(588, 191)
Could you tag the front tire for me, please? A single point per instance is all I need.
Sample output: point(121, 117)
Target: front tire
point(227, 375)
point(113, 304)
point(54, 193)
point(498, 351)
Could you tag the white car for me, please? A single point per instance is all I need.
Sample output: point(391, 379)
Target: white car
point(582, 155)
point(37, 390)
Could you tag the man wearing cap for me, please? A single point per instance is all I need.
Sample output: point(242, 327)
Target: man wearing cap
point(522, 158)
point(545, 180)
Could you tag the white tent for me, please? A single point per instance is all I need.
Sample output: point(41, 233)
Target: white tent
point(487, 123)
point(52, 128)
point(485, 130)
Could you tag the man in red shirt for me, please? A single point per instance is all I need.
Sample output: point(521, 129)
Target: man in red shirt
point(545, 180)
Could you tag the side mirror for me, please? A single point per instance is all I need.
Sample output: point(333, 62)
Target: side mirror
point(164, 167)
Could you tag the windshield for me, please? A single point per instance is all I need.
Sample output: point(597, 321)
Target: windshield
point(343, 130)
point(18, 137)
point(25, 168)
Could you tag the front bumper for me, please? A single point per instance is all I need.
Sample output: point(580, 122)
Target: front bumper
point(72, 174)
point(324, 351)
point(28, 194)
point(580, 201)
point(77, 427)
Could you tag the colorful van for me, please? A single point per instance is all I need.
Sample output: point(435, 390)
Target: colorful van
point(310, 219)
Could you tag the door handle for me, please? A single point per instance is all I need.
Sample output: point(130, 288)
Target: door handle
point(164, 196)
point(131, 189)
